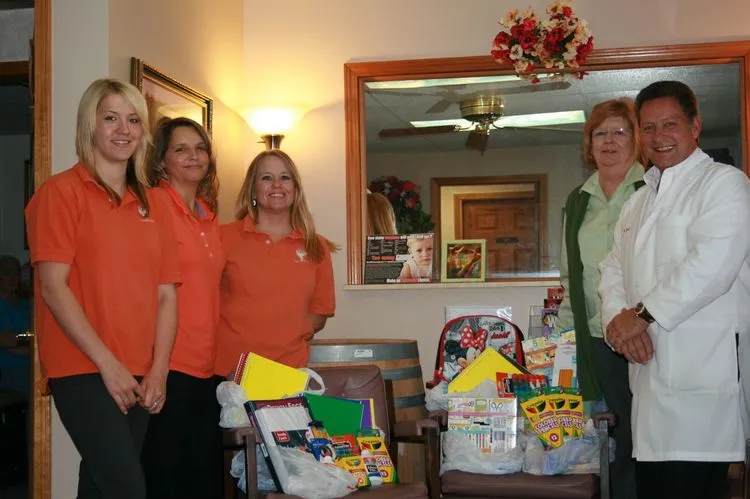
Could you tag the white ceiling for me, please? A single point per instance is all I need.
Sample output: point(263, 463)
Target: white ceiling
point(716, 86)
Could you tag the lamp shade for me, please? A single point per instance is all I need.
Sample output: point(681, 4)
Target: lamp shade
point(272, 120)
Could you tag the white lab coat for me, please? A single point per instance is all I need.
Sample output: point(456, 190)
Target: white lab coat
point(684, 251)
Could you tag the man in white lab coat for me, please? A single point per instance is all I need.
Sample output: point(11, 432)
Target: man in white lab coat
point(675, 297)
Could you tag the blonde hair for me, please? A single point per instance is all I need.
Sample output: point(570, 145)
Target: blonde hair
point(614, 108)
point(208, 188)
point(136, 173)
point(300, 215)
point(381, 220)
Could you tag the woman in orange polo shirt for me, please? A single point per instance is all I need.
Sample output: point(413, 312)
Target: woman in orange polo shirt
point(106, 307)
point(182, 454)
point(277, 288)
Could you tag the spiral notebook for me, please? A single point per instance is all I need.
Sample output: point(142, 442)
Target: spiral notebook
point(264, 379)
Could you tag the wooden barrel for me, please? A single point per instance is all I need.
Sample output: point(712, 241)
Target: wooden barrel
point(398, 361)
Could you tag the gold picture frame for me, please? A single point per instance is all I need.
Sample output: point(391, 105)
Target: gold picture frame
point(463, 260)
point(168, 97)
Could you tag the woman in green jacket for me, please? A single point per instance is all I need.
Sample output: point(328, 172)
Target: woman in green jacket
point(611, 146)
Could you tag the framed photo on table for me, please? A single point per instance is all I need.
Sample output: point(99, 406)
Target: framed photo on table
point(463, 260)
point(167, 97)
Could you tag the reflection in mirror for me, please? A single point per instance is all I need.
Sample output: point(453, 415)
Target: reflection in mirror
point(495, 157)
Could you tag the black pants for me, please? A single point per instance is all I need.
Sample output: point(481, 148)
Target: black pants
point(681, 480)
point(182, 455)
point(612, 372)
point(109, 441)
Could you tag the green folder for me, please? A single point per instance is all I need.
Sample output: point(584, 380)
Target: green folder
point(339, 416)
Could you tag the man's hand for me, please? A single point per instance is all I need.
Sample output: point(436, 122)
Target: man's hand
point(638, 349)
point(623, 327)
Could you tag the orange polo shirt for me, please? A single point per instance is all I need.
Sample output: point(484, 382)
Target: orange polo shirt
point(201, 258)
point(268, 292)
point(118, 256)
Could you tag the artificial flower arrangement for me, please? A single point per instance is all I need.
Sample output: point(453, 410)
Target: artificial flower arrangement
point(563, 41)
point(407, 206)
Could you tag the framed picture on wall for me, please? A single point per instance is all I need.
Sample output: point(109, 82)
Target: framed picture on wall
point(463, 260)
point(167, 97)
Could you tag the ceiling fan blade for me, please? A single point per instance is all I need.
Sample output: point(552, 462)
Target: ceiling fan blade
point(389, 133)
point(541, 128)
point(440, 107)
point(478, 140)
point(536, 87)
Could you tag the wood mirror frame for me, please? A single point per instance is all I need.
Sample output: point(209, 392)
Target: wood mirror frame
point(357, 73)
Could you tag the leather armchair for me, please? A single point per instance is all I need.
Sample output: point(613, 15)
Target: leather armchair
point(357, 383)
point(462, 485)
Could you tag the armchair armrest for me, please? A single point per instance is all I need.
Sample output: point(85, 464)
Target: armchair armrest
point(412, 429)
point(441, 417)
point(234, 438)
point(244, 438)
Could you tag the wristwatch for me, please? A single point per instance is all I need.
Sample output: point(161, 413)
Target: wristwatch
point(642, 313)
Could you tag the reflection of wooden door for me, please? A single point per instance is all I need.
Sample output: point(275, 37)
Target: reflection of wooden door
point(511, 227)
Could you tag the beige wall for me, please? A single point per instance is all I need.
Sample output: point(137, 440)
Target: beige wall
point(294, 51)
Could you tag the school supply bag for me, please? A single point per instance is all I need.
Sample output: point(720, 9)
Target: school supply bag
point(464, 338)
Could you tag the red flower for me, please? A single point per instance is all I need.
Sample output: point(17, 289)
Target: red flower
point(393, 196)
point(528, 40)
point(503, 55)
point(376, 187)
point(517, 31)
point(584, 50)
point(409, 186)
point(529, 23)
point(411, 200)
point(502, 38)
point(567, 12)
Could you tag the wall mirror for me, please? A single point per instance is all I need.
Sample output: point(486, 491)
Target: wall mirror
point(509, 187)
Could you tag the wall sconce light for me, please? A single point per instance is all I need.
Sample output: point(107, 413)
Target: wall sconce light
point(271, 123)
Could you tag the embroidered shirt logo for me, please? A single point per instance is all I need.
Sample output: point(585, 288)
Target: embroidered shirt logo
point(301, 256)
point(144, 215)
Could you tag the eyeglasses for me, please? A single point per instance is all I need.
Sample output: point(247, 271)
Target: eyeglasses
point(615, 133)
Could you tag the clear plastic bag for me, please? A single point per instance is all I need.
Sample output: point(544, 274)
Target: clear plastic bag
point(311, 479)
point(265, 481)
point(574, 456)
point(462, 455)
point(231, 398)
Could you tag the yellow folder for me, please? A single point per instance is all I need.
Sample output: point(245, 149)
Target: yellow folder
point(486, 366)
point(264, 379)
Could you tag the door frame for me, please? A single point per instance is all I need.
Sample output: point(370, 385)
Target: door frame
point(40, 471)
point(539, 181)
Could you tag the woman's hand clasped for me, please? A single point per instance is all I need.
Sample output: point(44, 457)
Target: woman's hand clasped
point(121, 385)
point(154, 387)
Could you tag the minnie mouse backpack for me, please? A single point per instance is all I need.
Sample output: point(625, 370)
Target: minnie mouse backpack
point(464, 338)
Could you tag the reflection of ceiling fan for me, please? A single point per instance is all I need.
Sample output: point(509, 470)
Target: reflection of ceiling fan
point(482, 112)
point(450, 96)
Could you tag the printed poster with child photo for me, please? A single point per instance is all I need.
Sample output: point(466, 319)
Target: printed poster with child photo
point(399, 259)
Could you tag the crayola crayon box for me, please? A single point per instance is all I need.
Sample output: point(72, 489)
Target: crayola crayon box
point(490, 423)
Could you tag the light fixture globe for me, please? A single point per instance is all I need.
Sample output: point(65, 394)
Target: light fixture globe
point(272, 123)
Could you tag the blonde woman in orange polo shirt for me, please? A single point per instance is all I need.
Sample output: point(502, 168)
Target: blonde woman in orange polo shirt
point(182, 454)
point(277, 288)
point(106, 307)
